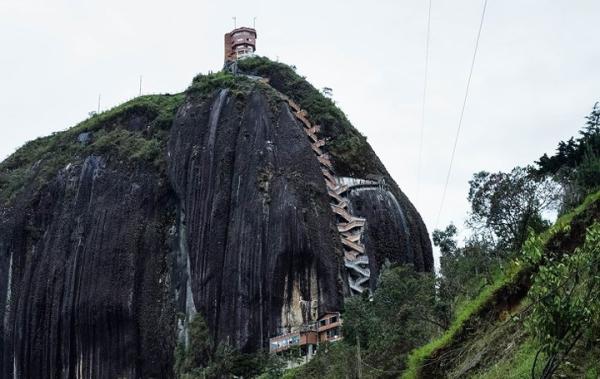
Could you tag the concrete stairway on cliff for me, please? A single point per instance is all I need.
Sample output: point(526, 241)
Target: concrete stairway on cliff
point(350, 228)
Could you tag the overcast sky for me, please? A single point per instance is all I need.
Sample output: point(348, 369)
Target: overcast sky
point(537, 73)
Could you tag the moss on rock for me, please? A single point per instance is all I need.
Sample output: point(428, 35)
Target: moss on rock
point(132, 133)
point(352, 154)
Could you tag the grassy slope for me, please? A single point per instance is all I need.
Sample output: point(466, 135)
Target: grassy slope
point(492, 311)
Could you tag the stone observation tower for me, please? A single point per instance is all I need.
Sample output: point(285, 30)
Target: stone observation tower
point(240, 43)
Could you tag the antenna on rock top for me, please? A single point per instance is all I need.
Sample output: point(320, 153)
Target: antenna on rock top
point(234, 22)
point(254, 23)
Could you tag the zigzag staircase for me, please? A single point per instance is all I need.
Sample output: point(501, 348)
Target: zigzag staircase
point(349, 227)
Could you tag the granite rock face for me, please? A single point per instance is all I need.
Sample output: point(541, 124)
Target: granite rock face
point(84, 279)
point(259, 234)
point(394, 232)
point(101, 266)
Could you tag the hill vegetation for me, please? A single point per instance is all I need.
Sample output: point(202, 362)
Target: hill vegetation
point(518, 299)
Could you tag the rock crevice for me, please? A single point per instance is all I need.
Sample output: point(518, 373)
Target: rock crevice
point(234, 223)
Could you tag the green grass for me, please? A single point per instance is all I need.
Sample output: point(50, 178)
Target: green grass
point(206, 85)
point(516, 366)
point(472, 308)
point(418, 356)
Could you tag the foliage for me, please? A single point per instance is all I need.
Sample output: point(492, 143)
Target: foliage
point(464, 271)
point(505, 206)
point(505, 209)
point(470, 308)
point(334, 360)
point(355, 157)
point(206, 85)
point(501, 285)
point(445, 239)
point(199, 350)
point(282, 77)
point(399, 318)
point(39, 160)
point(576, 163)
point(566, 300)
point(127, 145)
point(515, 366)
point(381, 330)
point(205, 359)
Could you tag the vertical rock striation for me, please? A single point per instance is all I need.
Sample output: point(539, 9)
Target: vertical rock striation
point(259, 235)
point(88, 281)
point(220, 209)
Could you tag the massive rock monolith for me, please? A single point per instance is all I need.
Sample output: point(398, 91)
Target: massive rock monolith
point(210, 202)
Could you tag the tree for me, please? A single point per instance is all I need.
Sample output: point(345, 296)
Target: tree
point(463, 270)
point(576, 161)
point(203, 359)
point(380, 330)
point(327, 92)
point(565, 298)
point(445, 239)
point(504, 206)
point(198, 352)
point(399, 317)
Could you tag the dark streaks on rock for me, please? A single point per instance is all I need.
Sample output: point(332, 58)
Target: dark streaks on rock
point(255, 230)
point(88, 285)
point(94, 262)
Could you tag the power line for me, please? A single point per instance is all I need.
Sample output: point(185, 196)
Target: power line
point(423, 103)
point(462, 113)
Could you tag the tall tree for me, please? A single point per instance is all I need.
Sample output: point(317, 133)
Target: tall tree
point(504, 206)
point(576, 163)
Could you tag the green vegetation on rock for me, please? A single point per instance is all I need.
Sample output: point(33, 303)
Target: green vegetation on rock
point(206, 85)
point(111, 133)
point(565, 298)
point(350, 149)
point(34, 164)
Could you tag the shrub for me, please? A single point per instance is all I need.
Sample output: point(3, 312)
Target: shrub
point(565, 300)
